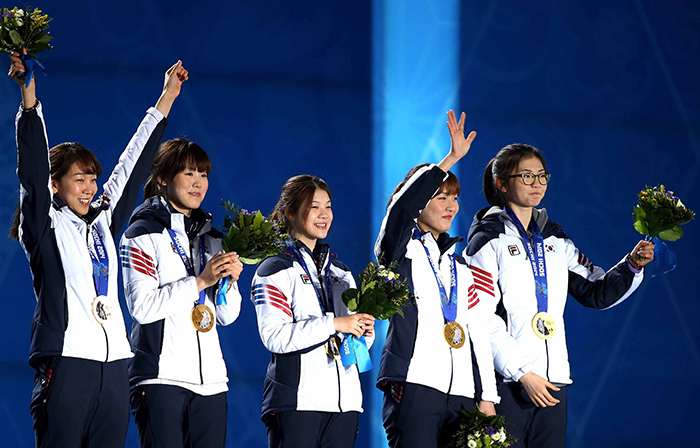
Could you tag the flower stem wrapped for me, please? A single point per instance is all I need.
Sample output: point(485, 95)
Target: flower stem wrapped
point(659, 212)
point(250, 234)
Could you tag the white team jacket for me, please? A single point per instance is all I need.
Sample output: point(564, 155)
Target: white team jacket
point(56, 242)
point(505, 283)
point(300, 376)
point(415, 350)
point(161, 294)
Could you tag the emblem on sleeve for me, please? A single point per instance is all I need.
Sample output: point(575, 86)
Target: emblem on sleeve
point(513, 250)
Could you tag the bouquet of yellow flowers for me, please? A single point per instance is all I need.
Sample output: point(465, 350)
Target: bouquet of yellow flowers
point(24, 29)
point(659, 212)
point(21, 30)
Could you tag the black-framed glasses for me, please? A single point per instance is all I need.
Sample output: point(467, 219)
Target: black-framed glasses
point(529, 178)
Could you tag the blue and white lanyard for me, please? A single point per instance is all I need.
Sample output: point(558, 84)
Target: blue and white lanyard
point(449, 304)
point(536, 256)
point(186, 260)
point(329, 295)
point(100, 263)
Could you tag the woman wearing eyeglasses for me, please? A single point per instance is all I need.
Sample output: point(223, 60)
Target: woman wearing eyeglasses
point(524, 266)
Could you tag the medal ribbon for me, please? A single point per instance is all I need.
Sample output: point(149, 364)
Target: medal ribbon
point(352, 351)
point(186, 260)
point(100, 263)
point(300, 258)
point(536, 255)
point(449, 304)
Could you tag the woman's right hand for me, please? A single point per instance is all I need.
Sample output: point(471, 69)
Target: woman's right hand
point(219, 266)
point(17, 67)
point(536, 388)
point(174, 77)
point(354, 324)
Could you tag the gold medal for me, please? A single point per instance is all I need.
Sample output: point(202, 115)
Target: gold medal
point(454, 334)
point(332, 348)
point(100, 311)
point(202, 318)
point(543, 325)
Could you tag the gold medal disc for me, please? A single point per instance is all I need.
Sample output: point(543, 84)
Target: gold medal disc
point(333, 348)
point(202, 318)
point(454, 334)
point(100, 310)
point(543, 325)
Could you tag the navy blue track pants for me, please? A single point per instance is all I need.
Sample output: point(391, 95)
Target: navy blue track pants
point(417, 416)
point(80, 403)
point(311, 429)
point(173, 417)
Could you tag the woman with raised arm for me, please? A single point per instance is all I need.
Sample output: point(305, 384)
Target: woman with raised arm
point(524, 266)
point(310, 398)
point(79, 347)
point(172, 262)
point(437, 358)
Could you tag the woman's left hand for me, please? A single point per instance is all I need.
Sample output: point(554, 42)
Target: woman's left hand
point(460, 144)
point(487, 408)
point(642, 254)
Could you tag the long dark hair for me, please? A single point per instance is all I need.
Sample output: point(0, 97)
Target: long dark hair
point(449, 186)
point(501, 166)
point(174, 156)
point(61, 159)
point(295, 200)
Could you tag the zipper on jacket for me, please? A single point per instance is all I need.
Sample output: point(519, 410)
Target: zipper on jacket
point(199, 349)
point(106, 343)
point(452, 371)
point(337, 371)
point(546, 346)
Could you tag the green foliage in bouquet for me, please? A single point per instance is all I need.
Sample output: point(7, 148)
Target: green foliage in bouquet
point(20, 28)
point(476, 430)
point(659, 212)
point(381, 292)
point(250, 234)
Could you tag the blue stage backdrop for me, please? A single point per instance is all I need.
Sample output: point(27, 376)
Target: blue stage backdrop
point(606, 89)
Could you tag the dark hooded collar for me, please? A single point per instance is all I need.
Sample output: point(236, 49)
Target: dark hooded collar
point(319, 253)
point(157, 208)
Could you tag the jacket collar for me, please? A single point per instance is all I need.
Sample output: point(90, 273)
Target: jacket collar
point(445, 243)
point(490, 215)
point(96, 207)
point(320, 253)
point(158, 209)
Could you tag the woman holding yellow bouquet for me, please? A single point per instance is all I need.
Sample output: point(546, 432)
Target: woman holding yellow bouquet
point(524, 266)
point(79, 347)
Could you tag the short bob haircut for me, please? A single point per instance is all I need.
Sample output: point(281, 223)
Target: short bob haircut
point(175, 156)
point(450, 186)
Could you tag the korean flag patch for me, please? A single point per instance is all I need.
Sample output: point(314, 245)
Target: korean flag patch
point(513, 250)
